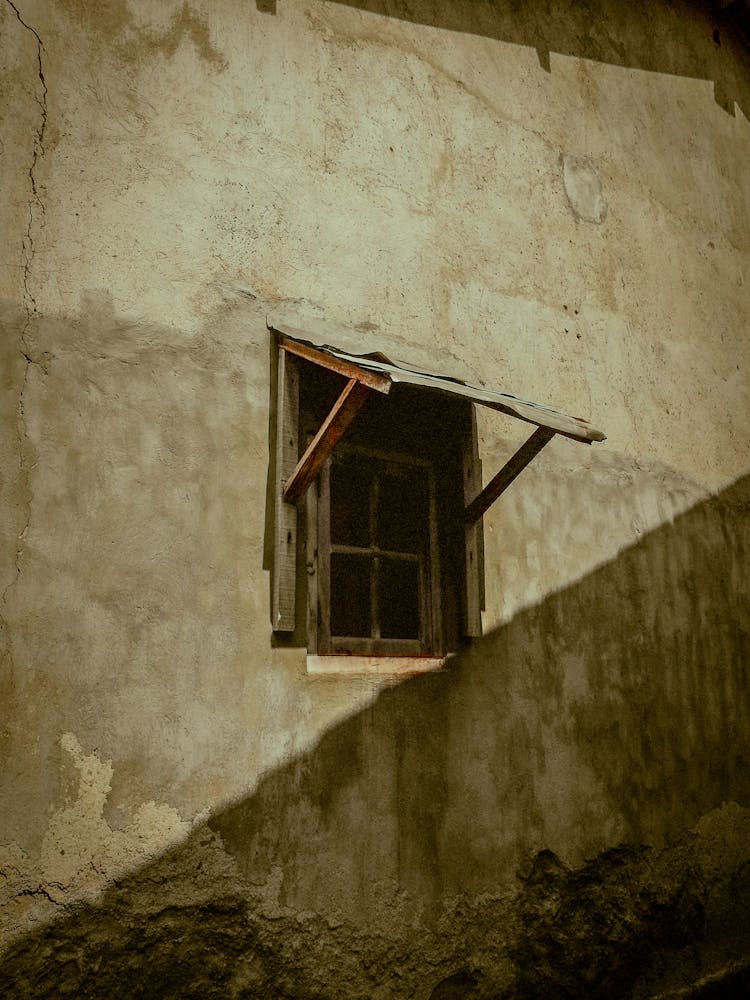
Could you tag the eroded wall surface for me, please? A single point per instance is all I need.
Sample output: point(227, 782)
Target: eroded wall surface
point(557, 206)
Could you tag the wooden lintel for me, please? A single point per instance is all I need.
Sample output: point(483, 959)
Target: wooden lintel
point(331, 430)
point(373, 380)
point(528, 451)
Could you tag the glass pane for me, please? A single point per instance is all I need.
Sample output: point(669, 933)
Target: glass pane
point(350, 595)
point(351, 484)
point(398, 599)
point(402, 523)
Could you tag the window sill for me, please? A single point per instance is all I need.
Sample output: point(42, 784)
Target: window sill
point(388, 666)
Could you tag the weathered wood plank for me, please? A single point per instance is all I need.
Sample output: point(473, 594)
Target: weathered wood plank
point(311, 514)
point(285, 515)
point(374, 380)
point(499, 483)
point(330, 433)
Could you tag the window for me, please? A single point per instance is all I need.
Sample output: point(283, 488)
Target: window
point(376, 512)
point(384, 536)
point(388, 559)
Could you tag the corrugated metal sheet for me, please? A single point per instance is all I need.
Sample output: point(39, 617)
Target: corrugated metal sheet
point(533, 413)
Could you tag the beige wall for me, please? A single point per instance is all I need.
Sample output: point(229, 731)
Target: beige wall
point(577, 235)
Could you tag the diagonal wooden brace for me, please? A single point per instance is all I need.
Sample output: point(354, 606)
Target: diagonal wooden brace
point(513, 467)
point(330, 433)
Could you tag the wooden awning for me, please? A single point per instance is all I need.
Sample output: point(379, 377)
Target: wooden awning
point(365, 373)
point(360, 366)
point(362, 375)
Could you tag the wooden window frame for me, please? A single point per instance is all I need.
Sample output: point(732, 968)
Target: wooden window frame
point(295, 450)
point(296, 473)
point(319, 551)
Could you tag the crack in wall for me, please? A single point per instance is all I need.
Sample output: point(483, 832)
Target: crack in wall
point(36, 220)
point(29, 248)
point(38, 891)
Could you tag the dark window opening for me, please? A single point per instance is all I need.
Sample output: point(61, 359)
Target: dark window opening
point(380, 564)
point(385, 528)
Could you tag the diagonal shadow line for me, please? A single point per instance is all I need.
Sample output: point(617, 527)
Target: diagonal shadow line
point(615, 711)
point(697, 39)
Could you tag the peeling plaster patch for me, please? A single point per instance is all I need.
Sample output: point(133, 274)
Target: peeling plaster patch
point(81, 853)
point(584, 189)
point(80, 849)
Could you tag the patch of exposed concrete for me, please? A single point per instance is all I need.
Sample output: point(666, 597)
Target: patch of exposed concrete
point(583, 189)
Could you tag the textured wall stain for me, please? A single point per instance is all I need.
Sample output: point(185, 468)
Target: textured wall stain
point(135, 42)
point(583, 189)
point(186, 24)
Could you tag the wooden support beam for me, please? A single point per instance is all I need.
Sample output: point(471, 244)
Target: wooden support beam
point(331, 431)
point(528, 451)
point(374, 380)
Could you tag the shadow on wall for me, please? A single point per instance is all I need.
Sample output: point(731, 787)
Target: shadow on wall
point(416, 850)
point(691, 38)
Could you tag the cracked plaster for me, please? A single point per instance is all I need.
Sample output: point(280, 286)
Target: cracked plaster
point(36, 221)
point(37, 154)
point(81, 853)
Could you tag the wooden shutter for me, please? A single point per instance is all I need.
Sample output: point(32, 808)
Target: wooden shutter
point(474, 533)
point(285, 520)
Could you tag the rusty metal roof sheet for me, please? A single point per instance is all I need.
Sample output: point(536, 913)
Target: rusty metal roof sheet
point(398, 371)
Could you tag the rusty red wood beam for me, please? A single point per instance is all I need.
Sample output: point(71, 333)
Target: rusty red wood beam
point(513, 467)
point(330, 433)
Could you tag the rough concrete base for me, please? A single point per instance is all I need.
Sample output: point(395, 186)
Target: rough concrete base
point(634, 922)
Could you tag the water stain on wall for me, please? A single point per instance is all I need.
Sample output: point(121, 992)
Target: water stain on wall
point(116, 21)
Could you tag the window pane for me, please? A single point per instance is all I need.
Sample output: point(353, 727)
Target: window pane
point(350, 595)
point(351, 484)
point(402, 524)
point(398, 599)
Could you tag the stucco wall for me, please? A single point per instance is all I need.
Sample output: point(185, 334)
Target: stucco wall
point(557, 206)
